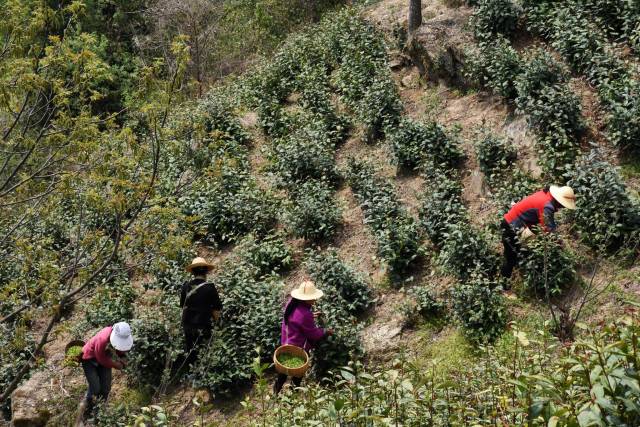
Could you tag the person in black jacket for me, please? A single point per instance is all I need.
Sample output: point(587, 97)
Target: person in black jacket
point(201, 305)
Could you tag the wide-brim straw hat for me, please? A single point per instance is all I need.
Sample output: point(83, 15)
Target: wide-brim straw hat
point(199, 262)
point(564, 196)
point(307, 291)
point(121, 338)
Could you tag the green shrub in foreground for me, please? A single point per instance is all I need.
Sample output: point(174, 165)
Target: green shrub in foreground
point(466, 250)
point(493, 17)
point(441, 206)
point(546, 267)
point(496, 158)
point(496, 66)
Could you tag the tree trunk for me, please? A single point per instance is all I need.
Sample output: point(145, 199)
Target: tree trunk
point(415, 15)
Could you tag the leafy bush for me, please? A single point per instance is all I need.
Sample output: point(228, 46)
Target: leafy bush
point(424, 303)
point(605, 215)
point(314, 214)
point(493, 17)
point(496, 66)
point(465, 251)
point(16, 346)
point(157, 343)
point(496, 157)
point(441, 206)
point(328, 270)
point(397, 234)
point(479, 306)
point(415, 142)
point(111, 303)
point(546, 267)
point(622, 99)
point(268, 256)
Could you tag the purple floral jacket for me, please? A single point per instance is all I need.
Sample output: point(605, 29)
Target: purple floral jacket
point(301, 330)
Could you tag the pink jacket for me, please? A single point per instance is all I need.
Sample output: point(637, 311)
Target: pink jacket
point(301, 330)
point(96, 348)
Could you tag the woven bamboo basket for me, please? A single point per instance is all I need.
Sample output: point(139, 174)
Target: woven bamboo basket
point(72, 344)
point(293, 350)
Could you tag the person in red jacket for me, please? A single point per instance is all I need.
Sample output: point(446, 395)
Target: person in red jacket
point(104, 351)
point(537, 209)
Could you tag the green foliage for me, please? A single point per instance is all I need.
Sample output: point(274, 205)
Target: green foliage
point(526, 383)
point(314, 214)
point(466, 251)
point(605, 216)
point(496, 157)
point(157, 343)
point(397, 234)
point(112, 303)
point(328, 270)
point(16, 345)
point(493, 17)
point(496, 65)
point(413, 143)
point(424, 303)
point(268, 256)
point(546, 267)
point(441, 206)
point(479, 306)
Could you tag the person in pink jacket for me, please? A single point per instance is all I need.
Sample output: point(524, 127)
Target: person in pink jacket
point(104, 351)
point(299, 326)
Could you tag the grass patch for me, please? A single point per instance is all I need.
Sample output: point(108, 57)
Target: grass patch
point(445, 352)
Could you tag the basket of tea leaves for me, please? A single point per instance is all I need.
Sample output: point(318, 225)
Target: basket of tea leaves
point(73, 353)
point(291, 360)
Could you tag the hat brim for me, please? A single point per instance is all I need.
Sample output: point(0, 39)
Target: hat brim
point(121, 344)
point(567, 203)
point(190, 267)
point(297, 294)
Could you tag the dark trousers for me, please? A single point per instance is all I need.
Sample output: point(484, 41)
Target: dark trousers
point(194, 338)
point(511, 249)
point(99, 379)
point(282, 378)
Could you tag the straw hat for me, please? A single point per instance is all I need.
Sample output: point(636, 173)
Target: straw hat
point(121, 338)
point(564, 196)
point(307, 291)
point(199, 262)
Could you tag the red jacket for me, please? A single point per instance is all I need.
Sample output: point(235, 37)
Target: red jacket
point(96, 348)
point(536, 209)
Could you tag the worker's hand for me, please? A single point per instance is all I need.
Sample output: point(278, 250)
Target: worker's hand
point(216, 315)
point(329, 332)
point(119, 365)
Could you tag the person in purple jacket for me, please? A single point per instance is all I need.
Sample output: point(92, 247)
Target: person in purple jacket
point(299, 326)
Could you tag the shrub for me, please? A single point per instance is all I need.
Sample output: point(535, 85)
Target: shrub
point(546, 267)
point(299, 158)
point(268, 256)
point(424, 303)
point(328, 271)
point(16, 347)
point(111, 303)
point(623, 116)
point(397, 234)
point(496, 158)
point(441, 206)
point(605, 215)
point(493, 17)
point(496, 66)
point(415, 142)
point(314, 214)
point(465, 250)
point(479, 306)
point(157, 344)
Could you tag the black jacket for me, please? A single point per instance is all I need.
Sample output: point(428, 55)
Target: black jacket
point(198, 307)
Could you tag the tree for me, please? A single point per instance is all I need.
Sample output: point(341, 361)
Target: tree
point(415, 16)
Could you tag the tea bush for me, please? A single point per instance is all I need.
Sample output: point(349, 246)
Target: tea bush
point(328, 270)
point(441, 206)
point(605, 215)
point(414, 142)
point(546, 267)
point(16, 346)
point(496, 158)
point(397, 234)
point(478, 305)
point(314, 214)
point(267, 256)
point(496, 66)
point(423, 303)
point(493, 17)
point(466, 251)
point(111, 303)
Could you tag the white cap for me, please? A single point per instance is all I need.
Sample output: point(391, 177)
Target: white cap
point(121, 338)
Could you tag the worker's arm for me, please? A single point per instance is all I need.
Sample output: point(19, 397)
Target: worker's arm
point(216, 304)
point(549, 218)
point(216, 315)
